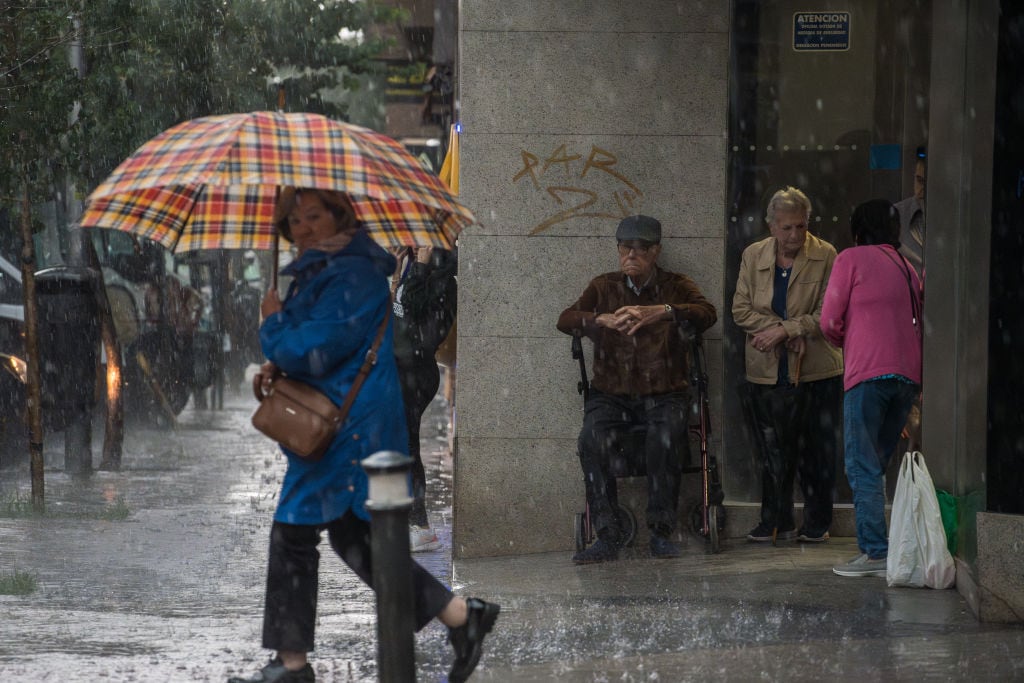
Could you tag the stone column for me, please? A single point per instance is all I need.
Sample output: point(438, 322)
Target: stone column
point(574, 113)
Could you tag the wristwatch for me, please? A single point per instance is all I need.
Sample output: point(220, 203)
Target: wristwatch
point(668, 308)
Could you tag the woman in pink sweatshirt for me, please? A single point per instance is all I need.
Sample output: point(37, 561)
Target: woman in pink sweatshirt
point(872, 310)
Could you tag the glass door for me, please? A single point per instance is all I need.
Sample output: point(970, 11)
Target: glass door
point(832, 98)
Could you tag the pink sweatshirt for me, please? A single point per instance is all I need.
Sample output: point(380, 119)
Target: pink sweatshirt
point(867, 312)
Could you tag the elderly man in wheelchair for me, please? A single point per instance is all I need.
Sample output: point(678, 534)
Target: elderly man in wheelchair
point(640, 381)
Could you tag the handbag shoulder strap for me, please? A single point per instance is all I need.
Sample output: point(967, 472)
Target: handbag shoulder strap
point(368, 362)
point(915, 304)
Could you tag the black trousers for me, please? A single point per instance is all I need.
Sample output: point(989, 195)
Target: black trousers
point(798, 429)
point(289, 615)
point(420, 380)
point(608, 424)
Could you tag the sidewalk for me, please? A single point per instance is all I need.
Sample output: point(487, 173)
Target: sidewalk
point(174, 591)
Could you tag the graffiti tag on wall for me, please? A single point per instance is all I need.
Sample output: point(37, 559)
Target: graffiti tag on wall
point(576, 197)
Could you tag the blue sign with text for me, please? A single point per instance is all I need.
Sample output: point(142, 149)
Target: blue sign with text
point(821, 31)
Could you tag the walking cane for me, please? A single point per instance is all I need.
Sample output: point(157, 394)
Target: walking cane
point(799, 359)
point(275, 249)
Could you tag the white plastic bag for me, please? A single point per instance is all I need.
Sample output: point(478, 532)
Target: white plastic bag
point(917, 542)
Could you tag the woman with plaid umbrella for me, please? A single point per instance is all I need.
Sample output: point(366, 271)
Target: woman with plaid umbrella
point(320, 334)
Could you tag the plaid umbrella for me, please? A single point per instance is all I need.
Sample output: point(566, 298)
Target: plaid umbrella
point(211, 183)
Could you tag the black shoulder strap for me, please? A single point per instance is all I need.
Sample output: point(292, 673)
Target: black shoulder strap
point(915, 304)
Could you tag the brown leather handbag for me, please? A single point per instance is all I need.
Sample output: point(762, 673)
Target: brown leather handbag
point(299, 417)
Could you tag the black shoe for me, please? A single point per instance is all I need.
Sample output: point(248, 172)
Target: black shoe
point(763, 533)
point(601, 551)
point(274, 672)
point(663, 548)
point(468, 639)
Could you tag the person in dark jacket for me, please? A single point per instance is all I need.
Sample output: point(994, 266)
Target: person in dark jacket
point(424, 307)
point(320, 334)
point(640, 377)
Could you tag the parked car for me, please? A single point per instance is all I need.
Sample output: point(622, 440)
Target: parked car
point(13, 368)
point(69, 340)
point(156, 316)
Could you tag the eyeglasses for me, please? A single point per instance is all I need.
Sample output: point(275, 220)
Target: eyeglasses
point(640, 249)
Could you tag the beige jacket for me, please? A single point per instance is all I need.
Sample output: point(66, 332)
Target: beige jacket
point(752, 309)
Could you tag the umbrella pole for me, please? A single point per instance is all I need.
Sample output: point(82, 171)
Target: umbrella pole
point(275, 249)
point(273, 262)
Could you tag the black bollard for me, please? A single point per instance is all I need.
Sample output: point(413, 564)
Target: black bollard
point(389, 504)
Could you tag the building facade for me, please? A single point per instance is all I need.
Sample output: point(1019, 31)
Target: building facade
point(577, 113)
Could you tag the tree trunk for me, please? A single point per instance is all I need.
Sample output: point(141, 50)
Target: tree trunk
point(34, 389)
point(113, 434)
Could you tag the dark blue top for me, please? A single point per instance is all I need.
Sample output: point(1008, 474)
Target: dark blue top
point(779, 306)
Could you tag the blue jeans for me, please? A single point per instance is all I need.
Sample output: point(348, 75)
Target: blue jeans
point(874, 413)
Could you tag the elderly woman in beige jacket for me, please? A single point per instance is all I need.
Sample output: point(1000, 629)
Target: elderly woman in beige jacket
point(794, 377)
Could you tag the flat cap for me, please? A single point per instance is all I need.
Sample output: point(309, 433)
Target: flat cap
point(639, 228)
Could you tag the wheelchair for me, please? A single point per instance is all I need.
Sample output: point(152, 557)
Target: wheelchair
point(707, 518)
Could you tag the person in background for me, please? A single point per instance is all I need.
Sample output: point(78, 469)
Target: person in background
point(793, 376)
point(242, 322)
point(872, 309)
point(424, 307)
point(320, 335)
point(912, 217)
point(912, 237)
point(640, 378)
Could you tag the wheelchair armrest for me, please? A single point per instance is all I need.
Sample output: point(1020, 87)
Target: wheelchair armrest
point(688, 333)
point(577, 347)
point(698, 363)
point(582, 386)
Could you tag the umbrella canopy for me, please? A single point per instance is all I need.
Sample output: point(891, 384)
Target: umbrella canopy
point(211, 183)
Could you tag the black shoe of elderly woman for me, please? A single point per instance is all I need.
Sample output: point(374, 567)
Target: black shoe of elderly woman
point(468, 639)
point(275, 672)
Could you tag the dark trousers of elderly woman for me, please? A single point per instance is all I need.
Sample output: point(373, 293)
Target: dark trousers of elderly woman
point(797, 429)
point(661, 424)
point(289, 615)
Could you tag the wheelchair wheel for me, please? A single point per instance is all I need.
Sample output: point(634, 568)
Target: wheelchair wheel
point(713, 542)
point(579, 531)
point(627, 523)
point(697, 519)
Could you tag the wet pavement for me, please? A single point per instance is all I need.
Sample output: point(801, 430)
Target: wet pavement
point(155, 573)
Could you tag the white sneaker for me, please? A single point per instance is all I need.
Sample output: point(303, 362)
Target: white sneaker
point(422, 539)
point(862, 565)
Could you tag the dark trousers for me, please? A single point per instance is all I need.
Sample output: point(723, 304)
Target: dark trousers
point(797, 429)
point(608, 424)
point(420, 380)
point(289, 615)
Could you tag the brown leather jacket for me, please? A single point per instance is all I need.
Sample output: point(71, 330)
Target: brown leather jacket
point(654, 360)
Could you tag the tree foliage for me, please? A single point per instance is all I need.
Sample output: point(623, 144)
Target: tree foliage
point(149, 64)
point(38, 91)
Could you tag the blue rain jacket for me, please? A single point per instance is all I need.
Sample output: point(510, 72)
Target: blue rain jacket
point(321, 335)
